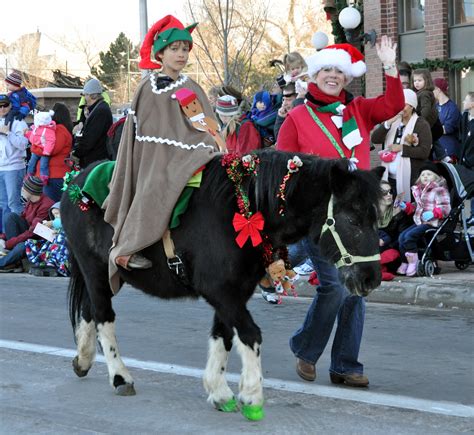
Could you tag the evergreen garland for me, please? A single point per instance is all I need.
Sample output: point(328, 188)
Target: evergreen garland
point(448, 64)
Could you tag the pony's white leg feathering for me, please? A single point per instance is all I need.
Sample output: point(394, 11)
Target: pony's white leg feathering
point(214, 379)
point(251, 381)
point(86, 344)
point(118, 373)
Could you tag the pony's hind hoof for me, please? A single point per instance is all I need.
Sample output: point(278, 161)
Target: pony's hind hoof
point(125, 390)
point(230, 406)
point(77, 369)
point(253, 412)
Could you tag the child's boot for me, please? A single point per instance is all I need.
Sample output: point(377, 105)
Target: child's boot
point(412, 258)
point(402, 269)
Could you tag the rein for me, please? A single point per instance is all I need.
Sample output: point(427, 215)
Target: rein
point(346, 258)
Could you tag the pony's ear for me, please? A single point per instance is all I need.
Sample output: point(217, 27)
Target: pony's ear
point(378, 171)
point(341, 177)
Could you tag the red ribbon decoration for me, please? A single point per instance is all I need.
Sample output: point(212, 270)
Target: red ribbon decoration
point(248, 228)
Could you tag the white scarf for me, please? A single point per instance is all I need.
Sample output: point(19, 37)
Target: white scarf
point(404, 164)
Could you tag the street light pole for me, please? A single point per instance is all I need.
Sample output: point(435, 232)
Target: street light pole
point(143, 23)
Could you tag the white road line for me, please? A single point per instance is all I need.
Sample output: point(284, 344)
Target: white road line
point(364, 396)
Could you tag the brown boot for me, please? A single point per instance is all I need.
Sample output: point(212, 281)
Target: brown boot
point(350, 379)
point(305, 370)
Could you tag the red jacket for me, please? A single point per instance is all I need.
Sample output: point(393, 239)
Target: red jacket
point(300, 133)
point(247, 139)
point(62, 149)
point(33, 213)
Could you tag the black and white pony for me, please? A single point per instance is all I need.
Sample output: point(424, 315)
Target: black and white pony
point(217, 269)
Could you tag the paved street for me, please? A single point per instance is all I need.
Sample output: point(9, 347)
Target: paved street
point(419, 361)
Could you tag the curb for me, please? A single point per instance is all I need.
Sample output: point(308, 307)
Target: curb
point(428, 292)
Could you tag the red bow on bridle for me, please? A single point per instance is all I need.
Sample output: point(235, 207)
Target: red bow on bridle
point(250, 227)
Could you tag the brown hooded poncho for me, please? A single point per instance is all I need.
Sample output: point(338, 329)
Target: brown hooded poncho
point(159, 152)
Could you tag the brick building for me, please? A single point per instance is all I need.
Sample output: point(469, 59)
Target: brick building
point(431, 29)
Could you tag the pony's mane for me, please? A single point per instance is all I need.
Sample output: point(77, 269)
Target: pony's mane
point(263, 189)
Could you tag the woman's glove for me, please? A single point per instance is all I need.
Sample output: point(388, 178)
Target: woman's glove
point(427, 216)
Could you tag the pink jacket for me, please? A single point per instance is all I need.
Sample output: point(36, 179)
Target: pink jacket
point(432, 197)
point(42, 138)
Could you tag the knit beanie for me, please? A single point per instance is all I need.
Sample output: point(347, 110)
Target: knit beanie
point(92, 86)
point(33, 185)
point(14, 78)
point(442, 84)
point(227, 105)
point(410, 98)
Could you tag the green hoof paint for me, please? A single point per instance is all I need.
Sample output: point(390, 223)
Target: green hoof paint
point(229, 406)
point(253, 412)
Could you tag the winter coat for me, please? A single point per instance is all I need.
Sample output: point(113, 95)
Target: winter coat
point(467, 141)
point(432, 197)
point(427, 106)
point(417, 154)
point(449, 117)
point(34, 212)
point(42, 139)
point(62, 149)
point(300, 133)
point(91, 145)
point(245, 138)
point(13, 147)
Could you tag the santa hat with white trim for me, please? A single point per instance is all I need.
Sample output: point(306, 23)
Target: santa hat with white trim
point(345, 57)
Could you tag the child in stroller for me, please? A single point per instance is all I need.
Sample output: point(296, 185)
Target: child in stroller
point(450, 241)
point(432, 203)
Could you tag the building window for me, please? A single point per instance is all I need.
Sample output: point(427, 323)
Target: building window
point(412, 15)
point(463, 12)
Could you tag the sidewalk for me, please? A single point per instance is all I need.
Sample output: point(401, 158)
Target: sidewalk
point(451, 288)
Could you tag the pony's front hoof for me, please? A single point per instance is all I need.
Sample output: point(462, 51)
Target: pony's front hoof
point(77, 369)
point(125, 390)
point(253, 412)
point(230, 406)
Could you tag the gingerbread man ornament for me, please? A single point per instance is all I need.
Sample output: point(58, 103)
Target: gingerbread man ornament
point(192, 108)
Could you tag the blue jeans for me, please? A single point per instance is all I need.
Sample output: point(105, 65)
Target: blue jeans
point(10, 192)
point(14, 226)
point(44, 164)
point(408, 239)
point(332, 300)
point(53, 189)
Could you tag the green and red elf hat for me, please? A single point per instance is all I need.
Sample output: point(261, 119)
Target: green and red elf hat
point(163, 33)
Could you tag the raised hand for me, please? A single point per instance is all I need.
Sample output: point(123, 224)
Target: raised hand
point(386, 50)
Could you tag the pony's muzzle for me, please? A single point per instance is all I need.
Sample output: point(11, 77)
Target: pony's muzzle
point(361, 278)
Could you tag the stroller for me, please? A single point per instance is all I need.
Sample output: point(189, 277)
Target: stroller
point(451, 240)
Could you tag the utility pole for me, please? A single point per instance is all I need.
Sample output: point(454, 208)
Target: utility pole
point(143, 24)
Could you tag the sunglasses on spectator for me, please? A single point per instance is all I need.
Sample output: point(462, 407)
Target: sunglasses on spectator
point(387, 192)
point(2, 106)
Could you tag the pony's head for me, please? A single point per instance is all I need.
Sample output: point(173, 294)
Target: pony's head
point(349, 235)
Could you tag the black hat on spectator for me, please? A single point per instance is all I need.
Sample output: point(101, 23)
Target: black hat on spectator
point(428, 165)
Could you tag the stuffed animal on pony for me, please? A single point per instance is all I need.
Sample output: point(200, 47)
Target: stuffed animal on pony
point(282, 278)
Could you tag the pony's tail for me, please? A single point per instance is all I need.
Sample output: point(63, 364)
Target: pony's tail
point(77, 292)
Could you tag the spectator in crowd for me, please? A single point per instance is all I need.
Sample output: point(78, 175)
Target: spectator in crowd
point(424, 87)
point(83, 111)
point(160, 146)
point(449, 116)
point(406, 140)
point(467, 140)
point(239, 133)
point(12, 160)
point(19, 227)
point(49, 258)
point(404, 69)
point(432, 204)
point(289, 96)
point(62, 149)
point(316, 128)
point(22, 100)
point(90, 145)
